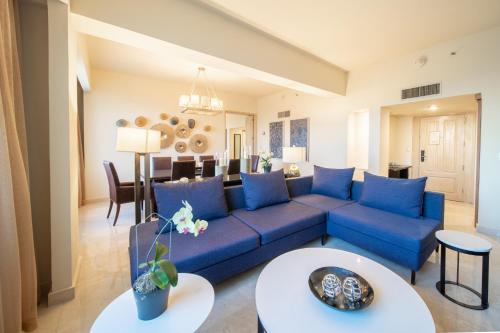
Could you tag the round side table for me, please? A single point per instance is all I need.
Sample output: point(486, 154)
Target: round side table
point(189, 304)
point(462, 242)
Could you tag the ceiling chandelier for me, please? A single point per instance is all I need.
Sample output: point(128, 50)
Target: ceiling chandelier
point(207, 104)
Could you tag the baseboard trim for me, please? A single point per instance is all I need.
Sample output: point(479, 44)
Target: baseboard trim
point(67, 294)
point(488, 231)
point(94, 200)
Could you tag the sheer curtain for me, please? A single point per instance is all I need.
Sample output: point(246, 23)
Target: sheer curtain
point(18, 282)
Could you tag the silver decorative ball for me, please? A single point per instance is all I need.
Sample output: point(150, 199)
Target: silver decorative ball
point(331, 285)
point(352, 289)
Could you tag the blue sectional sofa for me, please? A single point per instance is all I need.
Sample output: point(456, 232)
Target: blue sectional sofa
point(244, 238)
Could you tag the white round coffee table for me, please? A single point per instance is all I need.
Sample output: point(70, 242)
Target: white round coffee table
point(189, 304)
point(462, 242)
point(286, 304)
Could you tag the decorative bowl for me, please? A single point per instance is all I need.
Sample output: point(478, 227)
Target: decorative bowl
point(340, 302)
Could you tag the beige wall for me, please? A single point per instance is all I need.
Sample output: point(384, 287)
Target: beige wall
point(63, 152)
point(116, 95)
point(400, 140)
point(34, 38)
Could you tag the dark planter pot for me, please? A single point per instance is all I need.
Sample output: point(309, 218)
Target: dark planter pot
point(151, 305)
point(267, 168)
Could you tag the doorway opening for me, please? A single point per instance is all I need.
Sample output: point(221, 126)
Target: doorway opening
point(439, 139)
point(240, 134)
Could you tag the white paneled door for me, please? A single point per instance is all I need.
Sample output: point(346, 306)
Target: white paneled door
point(442, 155)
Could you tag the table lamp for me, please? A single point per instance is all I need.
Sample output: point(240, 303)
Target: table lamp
point(294, 155)
point(141, 142)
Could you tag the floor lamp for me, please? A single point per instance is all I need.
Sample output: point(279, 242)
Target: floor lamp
point(141, 142)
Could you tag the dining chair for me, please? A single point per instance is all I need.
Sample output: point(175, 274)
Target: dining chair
point(162, 163)
point(208, 168)
point(234, 167)
point(185, 158)
point(183, 169)
point(255, 162)
point(206, 157)
point(119, 192)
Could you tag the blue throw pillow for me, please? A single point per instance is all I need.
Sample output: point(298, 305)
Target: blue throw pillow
point(332, 182)
point(264, 189)
point(206, 197)
point(400, 196)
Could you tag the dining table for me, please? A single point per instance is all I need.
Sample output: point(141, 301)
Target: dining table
point(165, 176)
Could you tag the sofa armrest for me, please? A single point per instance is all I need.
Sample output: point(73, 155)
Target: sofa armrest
point(299, 186)
point(434, 206)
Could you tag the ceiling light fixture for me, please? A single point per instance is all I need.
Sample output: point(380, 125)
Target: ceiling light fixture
point(433, 107)
point(207, 104)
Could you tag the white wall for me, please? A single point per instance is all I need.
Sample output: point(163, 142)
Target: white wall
point(328, 130)
point(116, 95)
point(474, 69)
point(401, 140)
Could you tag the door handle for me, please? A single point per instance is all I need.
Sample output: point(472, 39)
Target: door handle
point(422, 155)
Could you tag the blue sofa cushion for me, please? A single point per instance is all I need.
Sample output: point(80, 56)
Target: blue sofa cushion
point(206, 197)
point(225, 238)
point(400, 196)
point(277, 221)
point(323, 202)
point(332, 182)
point(413, 234)
point(264, 189)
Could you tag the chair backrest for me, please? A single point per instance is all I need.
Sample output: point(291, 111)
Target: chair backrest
point(162, 163)
point(234, 167)
point(183, 169)
point(255, 162)
point(208, 168)
point(113, 180)
point(206, 157)
point(185, 158)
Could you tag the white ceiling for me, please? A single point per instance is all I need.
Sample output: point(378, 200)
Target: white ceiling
point(445, 106)
point(355, 33)
point(110, 55)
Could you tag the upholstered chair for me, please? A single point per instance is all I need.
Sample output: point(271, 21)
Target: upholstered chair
point(162, 163)
point(206, 157)
point(234, 167)
point(119, 192)
point(185, 158)
point(183, 169)
point(255, 162)
point(208, 168)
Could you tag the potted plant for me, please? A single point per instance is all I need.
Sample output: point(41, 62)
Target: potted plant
point(152, 287)
point(266, 161)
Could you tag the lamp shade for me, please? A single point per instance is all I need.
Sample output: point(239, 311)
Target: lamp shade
point(137, 140)
point(294, 154)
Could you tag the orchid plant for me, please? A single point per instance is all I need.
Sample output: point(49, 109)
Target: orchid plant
point(162, 272)
point(266, 159)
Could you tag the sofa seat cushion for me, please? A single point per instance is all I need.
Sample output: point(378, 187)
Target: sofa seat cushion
point(323, 202)
point(225, 238)
point(413, 234)
point(275, 222)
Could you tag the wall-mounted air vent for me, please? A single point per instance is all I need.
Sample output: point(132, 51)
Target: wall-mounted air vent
point(284, 114)
point(431, 89)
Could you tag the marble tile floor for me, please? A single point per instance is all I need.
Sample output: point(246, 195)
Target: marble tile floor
point(104, 275)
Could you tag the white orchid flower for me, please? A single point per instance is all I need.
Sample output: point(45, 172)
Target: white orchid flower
point(199, 227)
